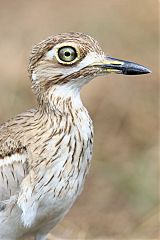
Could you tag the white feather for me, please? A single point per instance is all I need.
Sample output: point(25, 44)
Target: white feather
point(50, 54)
point(17, 157)
point(34, 76)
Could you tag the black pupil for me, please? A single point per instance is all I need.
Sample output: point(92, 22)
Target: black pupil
point(67, 54)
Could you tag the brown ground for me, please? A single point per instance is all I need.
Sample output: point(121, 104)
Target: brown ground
point(120, 200)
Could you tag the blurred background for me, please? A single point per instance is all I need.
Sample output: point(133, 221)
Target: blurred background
point(120, 199)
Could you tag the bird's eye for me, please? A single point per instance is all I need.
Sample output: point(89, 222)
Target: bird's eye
point(67, 54)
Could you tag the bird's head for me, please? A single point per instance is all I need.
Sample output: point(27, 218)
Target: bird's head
point(70, 60)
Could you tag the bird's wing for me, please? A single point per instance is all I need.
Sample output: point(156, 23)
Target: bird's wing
point(13, 164)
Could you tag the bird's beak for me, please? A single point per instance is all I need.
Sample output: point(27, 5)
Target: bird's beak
point(122, 67)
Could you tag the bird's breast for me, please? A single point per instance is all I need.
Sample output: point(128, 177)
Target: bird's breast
point(64, 161)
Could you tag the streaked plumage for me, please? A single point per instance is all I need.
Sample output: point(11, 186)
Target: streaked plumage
point(45, 153)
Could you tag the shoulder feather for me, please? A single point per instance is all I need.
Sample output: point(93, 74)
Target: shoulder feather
point(13, 163)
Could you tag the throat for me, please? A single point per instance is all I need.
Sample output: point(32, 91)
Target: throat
point(61, 100)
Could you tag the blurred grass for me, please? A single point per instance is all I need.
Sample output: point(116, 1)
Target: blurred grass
point(120, 199)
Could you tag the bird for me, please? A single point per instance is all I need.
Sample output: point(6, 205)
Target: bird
point(45, 152)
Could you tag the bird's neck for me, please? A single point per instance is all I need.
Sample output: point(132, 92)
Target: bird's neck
point(61, 100)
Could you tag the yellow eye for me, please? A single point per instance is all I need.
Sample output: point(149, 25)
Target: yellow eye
point(67, 54)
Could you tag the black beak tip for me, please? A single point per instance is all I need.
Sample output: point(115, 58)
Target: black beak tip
point(143, 70)
point(135, 69)
point(147, 70)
